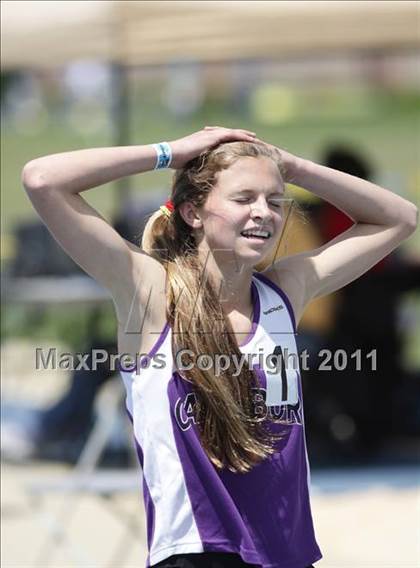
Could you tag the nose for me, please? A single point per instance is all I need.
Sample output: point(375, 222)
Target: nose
point(260, 211)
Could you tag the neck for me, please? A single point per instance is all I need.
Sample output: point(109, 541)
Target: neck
point(231, 281)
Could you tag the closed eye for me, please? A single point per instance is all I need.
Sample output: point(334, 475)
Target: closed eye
point(277, 204)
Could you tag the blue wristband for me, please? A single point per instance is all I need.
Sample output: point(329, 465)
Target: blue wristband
point(163, 155)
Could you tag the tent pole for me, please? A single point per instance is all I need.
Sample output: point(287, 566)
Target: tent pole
point(120, 119)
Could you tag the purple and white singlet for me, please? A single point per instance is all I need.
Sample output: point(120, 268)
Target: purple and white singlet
point(263, 515)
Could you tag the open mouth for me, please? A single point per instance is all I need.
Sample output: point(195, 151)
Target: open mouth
point(255, 234)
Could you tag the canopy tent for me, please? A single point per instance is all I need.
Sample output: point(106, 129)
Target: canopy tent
point(45, 34)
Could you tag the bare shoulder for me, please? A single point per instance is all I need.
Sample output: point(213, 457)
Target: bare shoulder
point(289, 275)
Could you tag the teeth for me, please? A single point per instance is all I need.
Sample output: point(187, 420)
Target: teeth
point(264, 234)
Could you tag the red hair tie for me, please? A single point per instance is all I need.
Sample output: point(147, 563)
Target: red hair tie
point(169, 205)
point(168, 208)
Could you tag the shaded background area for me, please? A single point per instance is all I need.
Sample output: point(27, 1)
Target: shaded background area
point(334, 82)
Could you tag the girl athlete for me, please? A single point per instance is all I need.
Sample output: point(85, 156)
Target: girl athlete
point(215, 403)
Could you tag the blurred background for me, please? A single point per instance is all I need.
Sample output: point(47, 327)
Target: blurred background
point(334, 82)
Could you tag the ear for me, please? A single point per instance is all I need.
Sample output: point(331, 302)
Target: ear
point(190, 215)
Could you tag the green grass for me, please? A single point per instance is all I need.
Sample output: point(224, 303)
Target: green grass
point(391, 142)
point(389, 137)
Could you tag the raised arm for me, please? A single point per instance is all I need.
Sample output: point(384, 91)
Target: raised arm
point(382, 220)
point(54, 183)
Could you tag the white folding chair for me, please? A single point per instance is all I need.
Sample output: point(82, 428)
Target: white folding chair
point(86, 479)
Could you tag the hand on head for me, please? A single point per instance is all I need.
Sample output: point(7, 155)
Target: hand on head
point(189, 147)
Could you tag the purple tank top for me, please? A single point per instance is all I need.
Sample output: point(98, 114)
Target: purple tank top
point(191, 506)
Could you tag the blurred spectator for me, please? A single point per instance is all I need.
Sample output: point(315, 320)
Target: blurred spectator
point(357, 410)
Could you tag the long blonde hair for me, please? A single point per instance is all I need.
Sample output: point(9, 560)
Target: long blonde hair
point(232, 434)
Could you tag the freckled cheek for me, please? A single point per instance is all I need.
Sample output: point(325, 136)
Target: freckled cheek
point(220, 232)
point(223, 220)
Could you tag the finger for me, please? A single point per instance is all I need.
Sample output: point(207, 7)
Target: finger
point(234, 131)
point(238, 136)
point(246, 136)
point(242, 134)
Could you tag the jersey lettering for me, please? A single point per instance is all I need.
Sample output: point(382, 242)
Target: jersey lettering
point(287, 413)
point(184, 411)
